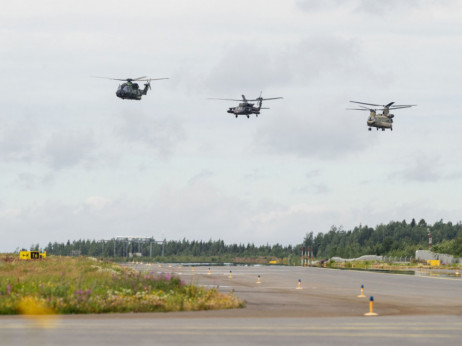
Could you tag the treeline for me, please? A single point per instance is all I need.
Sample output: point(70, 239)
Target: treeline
point(148, 248)
point(393, 239)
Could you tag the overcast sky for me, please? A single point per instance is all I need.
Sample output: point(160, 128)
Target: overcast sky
point(76, 162)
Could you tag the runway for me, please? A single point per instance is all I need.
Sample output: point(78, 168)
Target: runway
point(325, 310)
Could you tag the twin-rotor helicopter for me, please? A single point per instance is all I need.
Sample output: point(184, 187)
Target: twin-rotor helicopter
point(382, 120)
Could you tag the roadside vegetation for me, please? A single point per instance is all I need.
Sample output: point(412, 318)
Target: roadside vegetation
point(71, 285)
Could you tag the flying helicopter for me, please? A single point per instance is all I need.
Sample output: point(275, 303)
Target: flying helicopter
point(245, 107)
point(131, 90)
point(382, 120)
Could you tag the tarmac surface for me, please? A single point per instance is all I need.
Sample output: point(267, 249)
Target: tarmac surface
point(412, 309)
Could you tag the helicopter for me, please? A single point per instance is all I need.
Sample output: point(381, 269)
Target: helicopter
point(245, 107)
point(131, 90)
point(380, 121)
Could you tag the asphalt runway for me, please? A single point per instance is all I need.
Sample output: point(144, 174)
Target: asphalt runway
point(326, 310)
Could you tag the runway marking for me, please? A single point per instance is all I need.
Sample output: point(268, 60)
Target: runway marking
point(271, 331)
point(313, 333)
point(94, 324)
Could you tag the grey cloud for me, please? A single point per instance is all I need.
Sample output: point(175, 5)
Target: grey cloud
point(313, 173)
point(18, 140)
point(318, 5)
point(371, 7)
point(423, 168)
point(203, 175)
point(322, 57)
point(318, 189)
point(31, 181)
point(159, 133)
point(251, 65)
point(69, 148)
point(390, 7)
point(312, 59)
point(314, 134)
point(420, 169)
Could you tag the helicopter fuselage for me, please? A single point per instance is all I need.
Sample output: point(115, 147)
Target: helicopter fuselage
point(244, 109)
point(380, 121)
point(131, 91)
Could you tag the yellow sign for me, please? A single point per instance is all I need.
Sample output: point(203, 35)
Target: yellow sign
point(27, 255)
point(433, 262)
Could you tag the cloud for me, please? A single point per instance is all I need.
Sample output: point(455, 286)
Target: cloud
point(325, 57)
point(370, 7)
point(261, 67)
point(423, 168)
point(31, 181)
point(322, 134)
point(250, 65)
point(201, 176)
point(18, 140)
point(160, 134)
point(65, 149)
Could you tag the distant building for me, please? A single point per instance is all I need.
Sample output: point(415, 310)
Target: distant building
point(427, 255)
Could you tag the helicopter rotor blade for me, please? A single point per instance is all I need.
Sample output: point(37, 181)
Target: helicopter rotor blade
point(215, 98)
point(150, 79)
point(360, 109)
point(272, 98)
point(123, 80)
point(139, 79)
point(402, 106)
point(369, 104)
point(265, 99)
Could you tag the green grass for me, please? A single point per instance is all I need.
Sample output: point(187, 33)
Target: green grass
point(68, 285)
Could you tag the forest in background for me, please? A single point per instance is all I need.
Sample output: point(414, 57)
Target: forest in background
point(392, 239)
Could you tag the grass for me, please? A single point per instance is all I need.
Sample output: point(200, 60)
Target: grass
point(71, 285)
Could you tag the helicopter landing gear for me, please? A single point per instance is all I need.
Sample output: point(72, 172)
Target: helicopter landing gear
point(383, 129)
point(248, 117)
point(236, 115)
point(370, 129)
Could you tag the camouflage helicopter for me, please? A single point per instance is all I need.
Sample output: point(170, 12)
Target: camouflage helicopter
point(130, 90)
point(245, 107)
point(380, 121)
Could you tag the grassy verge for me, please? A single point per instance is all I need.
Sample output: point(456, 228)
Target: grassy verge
point(67, 285)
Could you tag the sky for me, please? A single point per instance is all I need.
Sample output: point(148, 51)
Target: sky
point(76, 162)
